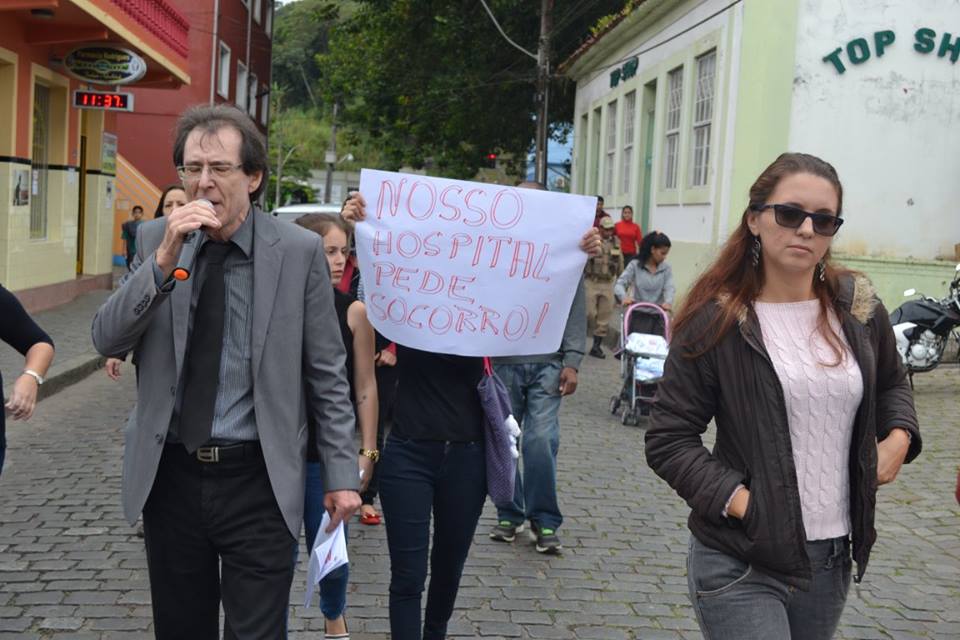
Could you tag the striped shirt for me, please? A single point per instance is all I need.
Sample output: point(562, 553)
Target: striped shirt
point(233, 415)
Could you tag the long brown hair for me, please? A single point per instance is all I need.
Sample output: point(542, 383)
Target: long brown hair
point(733, 282)
point(321, 223)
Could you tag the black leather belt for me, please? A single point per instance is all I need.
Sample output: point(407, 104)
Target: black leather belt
point(229, 452)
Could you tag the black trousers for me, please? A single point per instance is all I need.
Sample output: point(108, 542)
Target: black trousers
point(420, 479)
point(214, 532)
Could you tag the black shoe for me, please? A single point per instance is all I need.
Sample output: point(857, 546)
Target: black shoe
point(505, 531)
point(597, 352)
point(547, 540)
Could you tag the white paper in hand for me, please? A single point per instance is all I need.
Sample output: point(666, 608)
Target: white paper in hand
point(329, 552)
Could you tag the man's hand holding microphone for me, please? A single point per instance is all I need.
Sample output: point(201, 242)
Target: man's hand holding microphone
point(181, 222)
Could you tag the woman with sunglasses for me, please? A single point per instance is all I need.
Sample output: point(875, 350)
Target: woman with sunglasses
point(795, 360)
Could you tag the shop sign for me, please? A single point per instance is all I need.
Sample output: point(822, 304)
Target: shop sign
point(859, 50)
point(105, 65)
point(627, 71)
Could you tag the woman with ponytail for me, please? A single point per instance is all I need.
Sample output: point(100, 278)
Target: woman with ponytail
point(795, 361)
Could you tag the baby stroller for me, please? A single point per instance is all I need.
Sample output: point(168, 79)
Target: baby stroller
point(641, 365)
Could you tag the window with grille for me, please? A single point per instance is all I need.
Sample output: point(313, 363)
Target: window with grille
point(223, 72)
point(703, 117)
point(626, 163)
point(582, 154)
point(611, 146)
point(241, 97)
point(671, 155)
point(40, 162)
point(252, 97)
point(595, 151)
point(264, 105)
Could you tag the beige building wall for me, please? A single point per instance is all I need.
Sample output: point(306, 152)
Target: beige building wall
point(34, 263)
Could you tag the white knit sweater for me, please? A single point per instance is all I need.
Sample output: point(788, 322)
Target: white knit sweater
point(822, 404)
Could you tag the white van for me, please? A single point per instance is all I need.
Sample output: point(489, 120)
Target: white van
point(294, 211)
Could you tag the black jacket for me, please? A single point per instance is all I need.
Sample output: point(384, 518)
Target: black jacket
point(736, 384)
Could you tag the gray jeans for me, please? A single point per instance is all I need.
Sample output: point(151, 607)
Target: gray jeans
point(732, 600)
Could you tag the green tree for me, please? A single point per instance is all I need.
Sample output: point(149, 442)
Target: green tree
point(433, 80)
point(301, 30)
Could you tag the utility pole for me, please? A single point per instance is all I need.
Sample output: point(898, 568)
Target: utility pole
point(543, 90)
point(331, 156)
point(276, 114)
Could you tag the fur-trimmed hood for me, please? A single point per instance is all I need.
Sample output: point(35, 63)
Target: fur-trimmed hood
point(857, 295)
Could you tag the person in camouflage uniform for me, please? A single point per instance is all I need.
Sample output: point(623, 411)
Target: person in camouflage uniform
point(601, 272)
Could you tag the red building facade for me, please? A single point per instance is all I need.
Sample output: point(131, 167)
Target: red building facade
point(57, 161)
point(230, 43)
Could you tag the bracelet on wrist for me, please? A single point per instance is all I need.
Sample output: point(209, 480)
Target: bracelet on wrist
point(33, 374)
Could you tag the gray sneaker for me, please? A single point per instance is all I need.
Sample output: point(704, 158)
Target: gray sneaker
point(547, 539)
point(505, 531)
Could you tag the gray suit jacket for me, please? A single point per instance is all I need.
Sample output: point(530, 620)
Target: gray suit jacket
point(297, 358)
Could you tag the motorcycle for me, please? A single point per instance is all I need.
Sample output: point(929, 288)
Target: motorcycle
point(922, 328)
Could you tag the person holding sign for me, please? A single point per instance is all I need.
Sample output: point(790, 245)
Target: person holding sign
point(537, 383)
point(358, 339)
point(433, 465)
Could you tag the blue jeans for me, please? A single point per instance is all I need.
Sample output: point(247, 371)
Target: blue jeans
point(535, 397)
point(733, 600)
point(417, 478)
point(333, 588)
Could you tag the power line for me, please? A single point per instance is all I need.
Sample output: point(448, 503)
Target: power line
point(505, 36)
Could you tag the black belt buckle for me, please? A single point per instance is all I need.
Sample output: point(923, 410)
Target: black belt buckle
point(208, 454)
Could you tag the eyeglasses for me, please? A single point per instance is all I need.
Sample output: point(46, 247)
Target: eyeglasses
point(191, 172)
point(825, 224)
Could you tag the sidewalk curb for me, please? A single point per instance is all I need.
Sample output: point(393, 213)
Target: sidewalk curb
point(65, 374)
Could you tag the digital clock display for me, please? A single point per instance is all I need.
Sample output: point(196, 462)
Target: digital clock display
point(103, 100)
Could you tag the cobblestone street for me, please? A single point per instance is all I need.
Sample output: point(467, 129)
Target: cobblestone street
point(70, 566)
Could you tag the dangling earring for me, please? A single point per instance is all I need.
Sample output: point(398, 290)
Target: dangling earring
point(755, 252)
point(821, 271)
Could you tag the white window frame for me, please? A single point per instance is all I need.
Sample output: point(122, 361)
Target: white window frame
point(703, 118)
point(268, 19)
point(611, 147)
point(252, 85)
point(626, 161)
point(264, 105)
point(223, 71)
point(256, 10)
point(40, 148)
point(240, 97)
point(671, 143)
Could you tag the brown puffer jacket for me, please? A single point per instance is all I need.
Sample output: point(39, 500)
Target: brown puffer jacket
point(736, 384)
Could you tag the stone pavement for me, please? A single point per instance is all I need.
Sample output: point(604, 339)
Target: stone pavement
point(70, 566)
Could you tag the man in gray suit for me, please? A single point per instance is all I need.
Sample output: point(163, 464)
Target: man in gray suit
point(230, 360)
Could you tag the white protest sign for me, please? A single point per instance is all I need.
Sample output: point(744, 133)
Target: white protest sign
point(469, 268)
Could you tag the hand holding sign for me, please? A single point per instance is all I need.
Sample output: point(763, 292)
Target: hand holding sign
point(468, 268)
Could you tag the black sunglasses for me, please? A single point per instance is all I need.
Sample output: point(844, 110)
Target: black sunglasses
point(825, 224)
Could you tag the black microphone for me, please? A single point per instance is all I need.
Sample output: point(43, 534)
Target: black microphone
point(189, 250)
